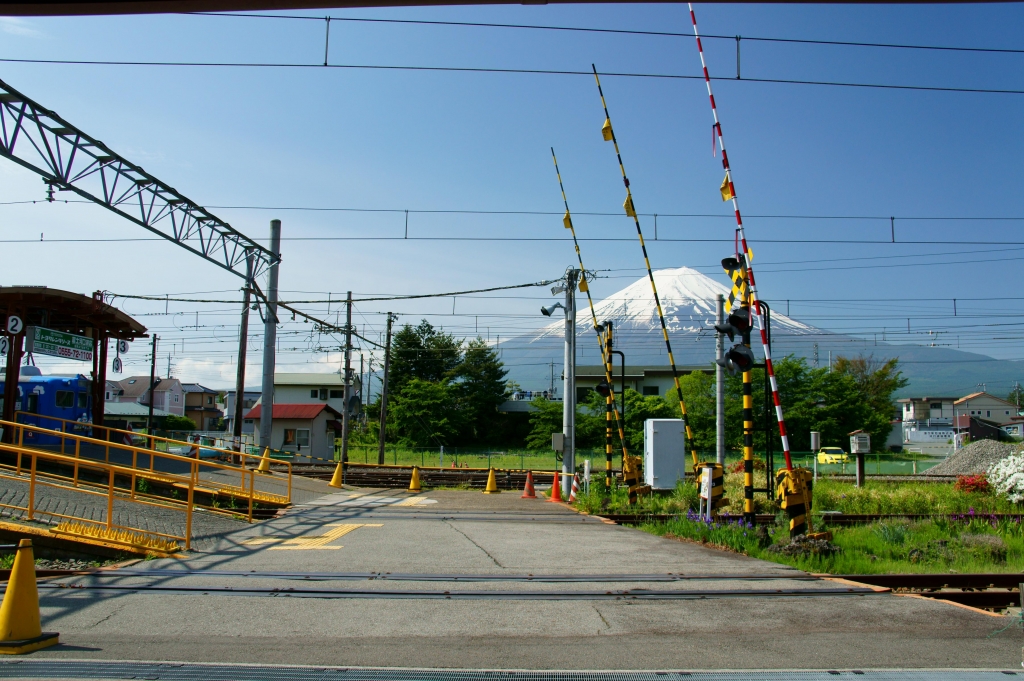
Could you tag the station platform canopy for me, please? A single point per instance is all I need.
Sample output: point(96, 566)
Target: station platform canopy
point(85, 323)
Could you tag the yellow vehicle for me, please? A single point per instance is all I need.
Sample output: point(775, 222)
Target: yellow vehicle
point(832, 455)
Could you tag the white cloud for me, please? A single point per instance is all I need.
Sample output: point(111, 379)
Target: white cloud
point(16, 26)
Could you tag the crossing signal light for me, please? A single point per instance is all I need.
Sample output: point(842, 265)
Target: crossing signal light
point(603, 389)
point(739, 358)
point(737, 323)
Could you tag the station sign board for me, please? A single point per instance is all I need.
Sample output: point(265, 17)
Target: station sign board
point(43, 341)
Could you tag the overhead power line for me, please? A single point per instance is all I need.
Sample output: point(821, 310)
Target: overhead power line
point(533, 72)
point(620, 31)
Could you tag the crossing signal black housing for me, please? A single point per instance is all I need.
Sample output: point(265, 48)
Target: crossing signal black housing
point(736, 324)
point(739, 358)
point(603, 389)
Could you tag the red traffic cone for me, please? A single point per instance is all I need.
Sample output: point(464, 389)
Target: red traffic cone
point(528, 491)
point(556, 492)
point(575, 488)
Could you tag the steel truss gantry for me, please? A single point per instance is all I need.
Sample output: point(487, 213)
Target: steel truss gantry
point(70, 160)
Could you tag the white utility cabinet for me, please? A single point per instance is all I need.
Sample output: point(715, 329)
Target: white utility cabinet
point(665, 458)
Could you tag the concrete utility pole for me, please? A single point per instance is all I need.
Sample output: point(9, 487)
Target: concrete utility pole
point(720, 386)
point(345, 420)
point(243, 342)
point(384, 392)
point(569, 386)
point(152, 385)
point(270, 340)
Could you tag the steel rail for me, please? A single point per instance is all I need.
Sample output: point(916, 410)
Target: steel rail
point(442, 577)
point(69, 159)
point(623, 594)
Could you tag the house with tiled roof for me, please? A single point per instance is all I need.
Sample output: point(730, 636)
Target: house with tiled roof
point(168, 394)
point(989, 407)
point(201, 406)
point(307, 430)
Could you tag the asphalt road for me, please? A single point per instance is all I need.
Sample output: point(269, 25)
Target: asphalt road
point(359, 578)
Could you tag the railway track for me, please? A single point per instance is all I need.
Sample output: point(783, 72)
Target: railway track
point(990, 591)
point(824, 519)
point(390, 477)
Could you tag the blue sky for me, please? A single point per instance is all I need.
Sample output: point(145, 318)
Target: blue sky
point(316, 137)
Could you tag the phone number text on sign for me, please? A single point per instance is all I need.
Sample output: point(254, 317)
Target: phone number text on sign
point(61, 351)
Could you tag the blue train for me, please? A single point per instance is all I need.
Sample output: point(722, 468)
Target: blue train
point(64, 397)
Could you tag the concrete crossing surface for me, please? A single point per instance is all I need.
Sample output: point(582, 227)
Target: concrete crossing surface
point(364, 578)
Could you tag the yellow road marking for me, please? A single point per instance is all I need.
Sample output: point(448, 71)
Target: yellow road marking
point(320, 541)
point(411, 501)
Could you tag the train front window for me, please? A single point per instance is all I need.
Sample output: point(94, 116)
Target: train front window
point(83, 400)
point(65, 399)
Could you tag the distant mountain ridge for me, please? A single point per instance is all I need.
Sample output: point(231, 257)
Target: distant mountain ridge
point(688, 300)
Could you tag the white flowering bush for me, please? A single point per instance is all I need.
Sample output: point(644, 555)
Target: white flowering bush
point(1007, 476)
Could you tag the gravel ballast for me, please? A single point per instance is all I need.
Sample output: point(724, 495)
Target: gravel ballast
point(975, 458)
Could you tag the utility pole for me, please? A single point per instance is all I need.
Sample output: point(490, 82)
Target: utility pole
point(720, 386)
point(270, 340)
point(346, 422)
point(384, 392)
point(569, 394)
point(243, 342)
point(152, 385)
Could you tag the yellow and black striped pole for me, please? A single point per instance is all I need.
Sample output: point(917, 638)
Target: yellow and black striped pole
point(609, 402)
point(603, 346)
point(609, 135)
point(748, 433)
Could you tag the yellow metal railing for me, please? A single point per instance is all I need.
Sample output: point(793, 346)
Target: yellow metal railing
point(66, 425)
point(246, 489)
point(29, 471)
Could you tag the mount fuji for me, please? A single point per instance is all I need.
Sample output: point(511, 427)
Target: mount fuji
point(689, 301)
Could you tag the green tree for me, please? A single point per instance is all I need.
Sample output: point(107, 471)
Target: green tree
point(426, 414)
point(481, 386)
point(877, 381)
point(544, 420)
point(699, 397)
point(174, 422)
point(422, 352)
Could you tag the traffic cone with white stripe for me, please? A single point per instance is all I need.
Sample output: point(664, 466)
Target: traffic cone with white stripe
point(528, 491)
point(575, 488)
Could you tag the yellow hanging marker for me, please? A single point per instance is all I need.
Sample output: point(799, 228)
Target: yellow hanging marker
point(628, 205)
point(750, 254)
point(727, 193)
point(567, 221)
point(583, 284)
point(606, 130)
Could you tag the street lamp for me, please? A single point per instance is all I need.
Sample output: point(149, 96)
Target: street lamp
point(546, 311)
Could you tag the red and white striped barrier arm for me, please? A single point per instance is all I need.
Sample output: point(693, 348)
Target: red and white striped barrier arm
point(743, 242)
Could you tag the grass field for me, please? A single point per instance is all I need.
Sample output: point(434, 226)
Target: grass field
point(969, 542)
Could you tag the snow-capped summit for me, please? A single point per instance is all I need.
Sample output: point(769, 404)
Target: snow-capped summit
point(688, 300)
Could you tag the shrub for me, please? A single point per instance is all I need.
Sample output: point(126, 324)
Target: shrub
point(1007, 476)
point(972, 483)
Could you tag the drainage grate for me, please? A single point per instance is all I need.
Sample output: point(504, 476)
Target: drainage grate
point(176, 671)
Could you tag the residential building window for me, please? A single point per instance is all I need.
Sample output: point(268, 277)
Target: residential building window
point(209, 400)
point(106, 396)
point(323, 393)
point(289, 437)
point(302, 437)
point(651, 390)
point(936, 405)
point(248, 422)
point(176, 401)
point(65, 399)
point(313, 393)
point(339, 394)
point(987, 413)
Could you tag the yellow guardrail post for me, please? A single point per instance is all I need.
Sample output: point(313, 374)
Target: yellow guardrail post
point(252, 485)
point(21, 443)
point(289, 481)
point(78, 449)
point(110, 500)
point(32, 487)
point(188, 512)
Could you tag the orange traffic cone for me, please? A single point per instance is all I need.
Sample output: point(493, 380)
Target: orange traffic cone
point(19, 614)
point(556, 492)
point(528, 491)
point(575, 488)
